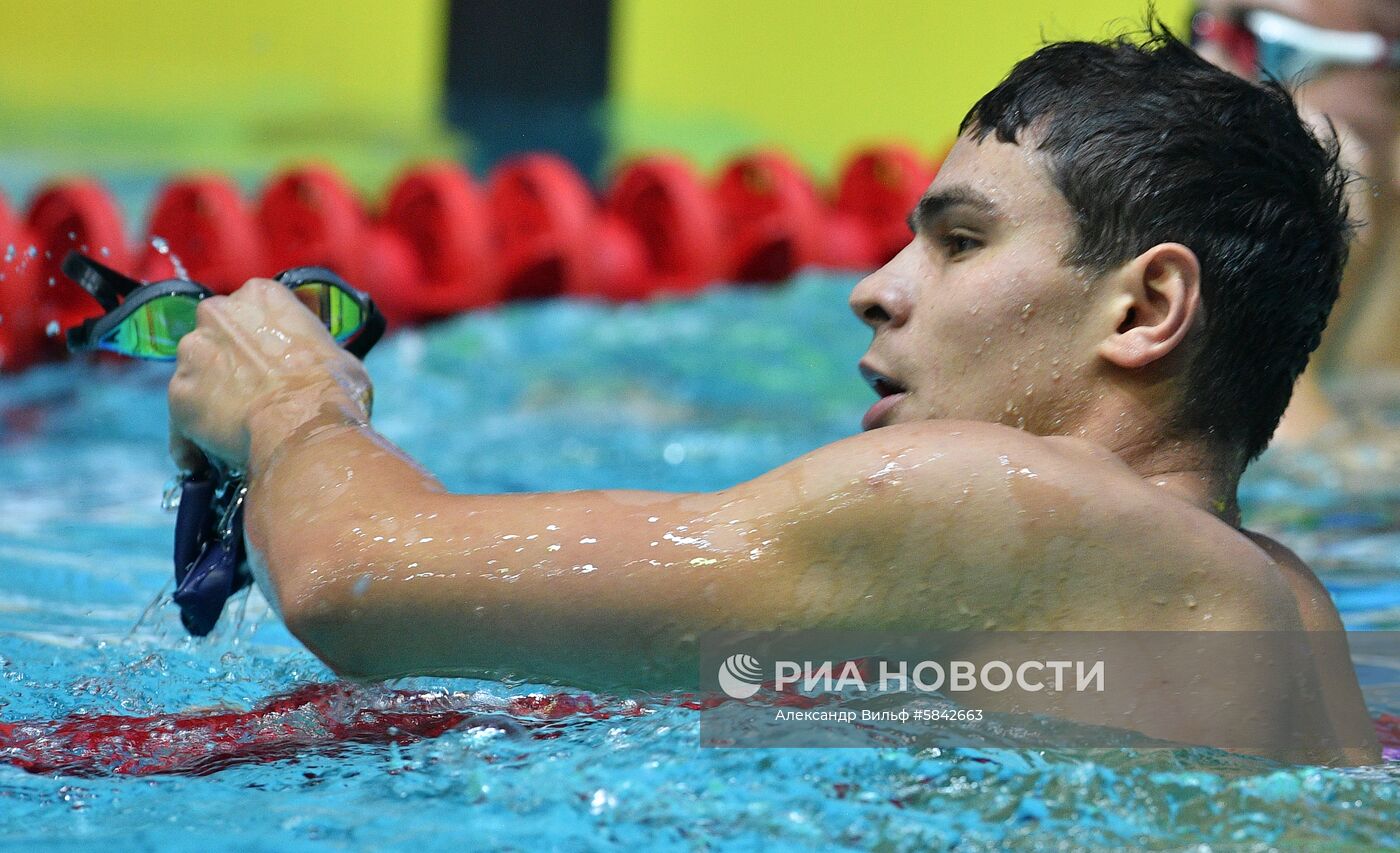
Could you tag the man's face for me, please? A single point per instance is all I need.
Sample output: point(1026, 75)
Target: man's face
point(979, 318)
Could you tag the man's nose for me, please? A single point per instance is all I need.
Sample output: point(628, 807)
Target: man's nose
point(880, 299)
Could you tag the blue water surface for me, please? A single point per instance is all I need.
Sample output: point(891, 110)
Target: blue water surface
point(674, 395)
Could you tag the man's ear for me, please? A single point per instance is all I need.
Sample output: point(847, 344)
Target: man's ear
point(1157, 301)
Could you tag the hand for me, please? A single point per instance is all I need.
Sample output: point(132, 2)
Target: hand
point(256, 355)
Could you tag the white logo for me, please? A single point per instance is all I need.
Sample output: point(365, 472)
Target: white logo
point(740, 676)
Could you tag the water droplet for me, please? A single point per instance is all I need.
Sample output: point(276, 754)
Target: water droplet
point(163, 247)
point(361, 586)
point(52, 329)
point(10, 253)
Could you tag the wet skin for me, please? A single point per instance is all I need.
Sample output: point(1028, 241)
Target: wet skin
point(1017, 478)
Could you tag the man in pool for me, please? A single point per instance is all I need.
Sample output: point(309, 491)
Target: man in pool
point(1113, 283)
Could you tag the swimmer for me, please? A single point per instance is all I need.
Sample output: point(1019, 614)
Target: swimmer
point(1306, 42)
point(1113, 282)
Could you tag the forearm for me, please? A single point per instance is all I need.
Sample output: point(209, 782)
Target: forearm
point(300, 471)
point(382, 573)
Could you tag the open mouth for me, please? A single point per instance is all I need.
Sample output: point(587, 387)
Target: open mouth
point(882, 384)
point(891, 394)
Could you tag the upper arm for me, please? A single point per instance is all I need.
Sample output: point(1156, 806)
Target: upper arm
point(881, 530)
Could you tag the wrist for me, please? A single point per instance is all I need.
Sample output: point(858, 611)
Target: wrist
point(294, 414)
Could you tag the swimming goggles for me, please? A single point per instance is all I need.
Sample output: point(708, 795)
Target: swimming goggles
point(1286, 49)
point(147, 321)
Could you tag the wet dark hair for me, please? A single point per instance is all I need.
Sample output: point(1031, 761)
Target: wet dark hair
point(1149, 143)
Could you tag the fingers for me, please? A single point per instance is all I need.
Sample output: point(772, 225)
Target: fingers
point(258, 344)
point(271, 301)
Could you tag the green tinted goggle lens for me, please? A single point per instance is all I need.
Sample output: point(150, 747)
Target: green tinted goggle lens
point(154, 330)
point(340, 311)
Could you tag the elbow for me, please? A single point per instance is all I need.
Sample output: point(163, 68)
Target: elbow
point(322, 618)
point(309, 590)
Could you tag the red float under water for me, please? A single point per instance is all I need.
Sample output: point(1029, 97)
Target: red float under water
point(325, 717)
point(314, 717)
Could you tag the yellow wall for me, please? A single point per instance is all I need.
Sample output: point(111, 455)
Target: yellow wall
point(244, 85)
point(216, 80)
point(821, 76)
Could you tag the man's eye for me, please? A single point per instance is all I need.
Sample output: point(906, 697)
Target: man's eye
point(958, 244)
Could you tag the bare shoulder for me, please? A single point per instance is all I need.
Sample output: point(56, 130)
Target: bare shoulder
point(928, 453)
point(1314, 602)
point(1030, 531)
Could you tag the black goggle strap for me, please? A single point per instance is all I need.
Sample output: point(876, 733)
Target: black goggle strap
point(103, 283)
point(370, 332)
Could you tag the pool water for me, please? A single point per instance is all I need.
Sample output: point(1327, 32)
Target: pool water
point(675, 395)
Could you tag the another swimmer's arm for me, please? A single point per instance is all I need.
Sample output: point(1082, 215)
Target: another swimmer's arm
point(383, 574)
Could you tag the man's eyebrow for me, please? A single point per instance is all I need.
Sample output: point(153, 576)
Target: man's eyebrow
point(933, 205)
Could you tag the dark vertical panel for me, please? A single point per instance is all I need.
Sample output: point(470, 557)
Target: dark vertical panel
point(528, 76)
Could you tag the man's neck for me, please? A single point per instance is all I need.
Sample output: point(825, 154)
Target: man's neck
point(1191, 470)
point(1189, 474)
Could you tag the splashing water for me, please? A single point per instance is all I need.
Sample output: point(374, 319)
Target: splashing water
point(161, 245)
